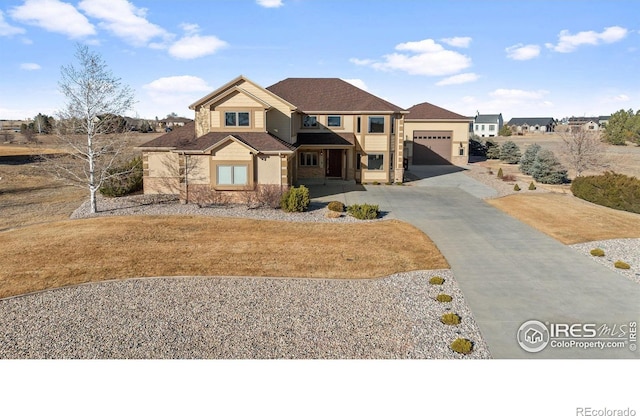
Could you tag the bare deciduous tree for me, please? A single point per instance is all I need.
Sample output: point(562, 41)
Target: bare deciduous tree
point(94, 100)
point(583, 150)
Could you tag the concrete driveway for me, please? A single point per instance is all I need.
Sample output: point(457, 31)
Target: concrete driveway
point(509, 272)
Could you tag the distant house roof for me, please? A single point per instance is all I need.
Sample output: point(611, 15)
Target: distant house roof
point(427, 111)
point(531, 121)
point(184, 139)
point(329, 95)
point(172, 119)
point(488, 118)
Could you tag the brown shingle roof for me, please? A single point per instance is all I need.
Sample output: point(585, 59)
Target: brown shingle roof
point(328, 138)
point(184, 139)
point(329, 94)
point(427, 111)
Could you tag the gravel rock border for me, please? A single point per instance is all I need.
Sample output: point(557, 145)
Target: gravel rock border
point(240, 318)
point(481, 174)
point(625, 249)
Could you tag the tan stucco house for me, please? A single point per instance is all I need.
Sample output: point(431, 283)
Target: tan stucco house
point(299, 130)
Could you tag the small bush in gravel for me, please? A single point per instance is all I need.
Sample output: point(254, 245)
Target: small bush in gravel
point(125, 179)
point(364, 211)
point(462, 346)
point(336, 206)
point(450, 319)
point(333, 214)
point(621, 265)
point(597, 252)
point(295, 199)
point(442, 297)
point(516, 188)
point(269, 195)
point(532, 186)
point(436, 280)
point(508, 178)
point(500, 174)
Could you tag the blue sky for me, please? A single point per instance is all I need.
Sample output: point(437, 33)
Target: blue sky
point(520, 58)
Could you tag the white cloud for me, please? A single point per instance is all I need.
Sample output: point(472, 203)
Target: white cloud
point(196, 46)
point(54, 16)
point(270, 3)
point(190, 28)
point(179, 91)
point(425, 57)
point(458, 42)
point(514, 94)
point(6, 29)
point(620, 98)
point(459, 79)
point(358, 83)
point(568, 42)
point(124, 20)
point(522, 52)
point(30, 67)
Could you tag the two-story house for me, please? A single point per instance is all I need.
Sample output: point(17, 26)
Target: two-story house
point(300, 129)
point(487, 125)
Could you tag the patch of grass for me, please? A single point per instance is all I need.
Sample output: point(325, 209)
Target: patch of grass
point(462, 346)
point(69, 252)
point(621, 265)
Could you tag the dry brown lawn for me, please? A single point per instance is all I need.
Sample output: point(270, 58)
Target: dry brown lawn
point(71, 252)
point(569, 219)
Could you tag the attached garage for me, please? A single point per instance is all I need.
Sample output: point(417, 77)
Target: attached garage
point(432, 147)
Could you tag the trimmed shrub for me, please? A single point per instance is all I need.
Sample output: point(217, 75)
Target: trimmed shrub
point(268, 196)
point(516, 188)
point(510, 152)
point(547, 168)
point(443, 297)
point(127, 179)
point(500, 174)
point(611, 190)
point(462, 346)
point(436, 280)
point(336, 206)
point(621, 265)
point(532, 186)
point(364, 211)
point(295, 199)
point(597, 252)
point(527, 159)
point(450, 319)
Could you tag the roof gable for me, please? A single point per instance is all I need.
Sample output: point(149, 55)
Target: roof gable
point(428, 111)
point(234, 92)
point(326, 95)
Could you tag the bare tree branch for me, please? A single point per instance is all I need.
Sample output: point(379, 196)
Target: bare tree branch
point(583, 150)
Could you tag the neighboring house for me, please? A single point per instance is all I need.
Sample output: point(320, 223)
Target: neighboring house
point(585, 123)
point(246, 137)
point(171, 122)
point(527, 125)
point(435, 136)
point(487, 125)
point(603, 121)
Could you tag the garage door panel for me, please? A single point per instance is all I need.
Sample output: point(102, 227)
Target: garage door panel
point(432, 147)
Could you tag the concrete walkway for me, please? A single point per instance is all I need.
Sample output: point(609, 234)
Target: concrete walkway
point(508, 272)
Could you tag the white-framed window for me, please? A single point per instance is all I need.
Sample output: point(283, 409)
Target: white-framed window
point(232, 175)
point(376, 124)
point(492, 127)
point(334, 121)
point(308, 159)
point(237, 119)
point(375, 161)
point(310, 121)
point(483, 127)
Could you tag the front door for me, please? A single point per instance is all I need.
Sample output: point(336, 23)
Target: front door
point(334, 163)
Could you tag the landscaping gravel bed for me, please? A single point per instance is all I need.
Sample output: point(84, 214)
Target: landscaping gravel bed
point(482, 175)
point(248, 318)
point(625, 249)
point(169, 205)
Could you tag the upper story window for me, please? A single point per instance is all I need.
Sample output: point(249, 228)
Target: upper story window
point(492, 127)
point(358, 124)
point(310, 121)
point(236, 119)
point(334, 121)
point(376, 124)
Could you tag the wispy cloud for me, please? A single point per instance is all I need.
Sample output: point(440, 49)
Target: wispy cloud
point(176, 92)
point(516, 94)
point(270, 3)
point(522, 52)
point(568, 42)
point(458, 79)
point(123, 20)
point(193, 45)
point(30, 67)
point(6, 29)
point(54, 16)
point(425, 57)
point(458, 41)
